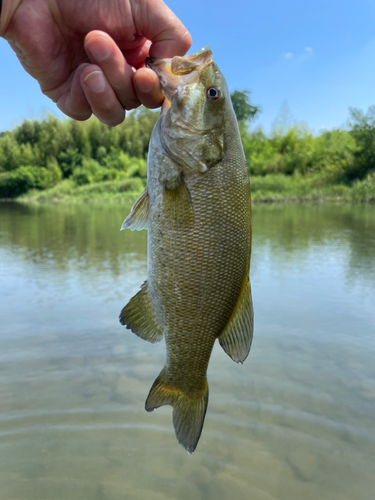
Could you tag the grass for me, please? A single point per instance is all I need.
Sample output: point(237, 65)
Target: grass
point(273, 188)
point(66, 191)
point(298, 188)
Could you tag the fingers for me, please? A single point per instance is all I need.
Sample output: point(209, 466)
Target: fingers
point(168, 35)
point(110, 85)
point(104, 52)
point(101, 96)
point(147, 87)
point(88, 91)
point(73, 101)
point(129, 88)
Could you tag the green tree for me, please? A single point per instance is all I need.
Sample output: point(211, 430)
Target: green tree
point(68, 161)
point(79, 133)
point(363, 130)
point(241, 104)
point(28, 132)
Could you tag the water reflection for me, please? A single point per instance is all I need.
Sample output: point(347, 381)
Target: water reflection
point(296, 421)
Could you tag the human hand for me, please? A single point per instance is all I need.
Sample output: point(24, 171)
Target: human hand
point(88, 55)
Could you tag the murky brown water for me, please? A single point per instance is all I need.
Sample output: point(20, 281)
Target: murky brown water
point(296, 421)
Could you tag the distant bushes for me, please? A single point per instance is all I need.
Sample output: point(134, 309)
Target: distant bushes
point(364, 190)
point(339, 156)
point(363, 132)
point(24, 178)
point(298, 150)
point(38, 155)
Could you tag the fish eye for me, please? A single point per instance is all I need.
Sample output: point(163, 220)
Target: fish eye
point(214, 93)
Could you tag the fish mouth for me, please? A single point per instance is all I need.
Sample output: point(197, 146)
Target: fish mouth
point(180, 70)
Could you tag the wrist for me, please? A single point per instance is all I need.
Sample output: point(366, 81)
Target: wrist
point(8, 9)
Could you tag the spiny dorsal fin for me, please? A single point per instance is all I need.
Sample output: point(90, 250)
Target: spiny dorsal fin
point(188, 412)
point(139, 316)
point(177, 206)
point(237, 336)
point(137, 219)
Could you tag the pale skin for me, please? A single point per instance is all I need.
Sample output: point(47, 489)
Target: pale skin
point(88, 55)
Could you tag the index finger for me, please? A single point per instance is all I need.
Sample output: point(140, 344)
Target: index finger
point(161, 26)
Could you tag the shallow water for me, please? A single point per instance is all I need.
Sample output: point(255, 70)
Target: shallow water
point(296, 421)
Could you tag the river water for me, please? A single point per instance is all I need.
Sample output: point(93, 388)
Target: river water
point(296, 421)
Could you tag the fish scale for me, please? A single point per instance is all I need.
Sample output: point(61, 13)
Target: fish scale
point(198, 215)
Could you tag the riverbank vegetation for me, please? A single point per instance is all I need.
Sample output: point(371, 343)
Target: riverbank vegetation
point(57, 160)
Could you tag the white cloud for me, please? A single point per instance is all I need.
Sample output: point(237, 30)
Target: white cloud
point(297, 58)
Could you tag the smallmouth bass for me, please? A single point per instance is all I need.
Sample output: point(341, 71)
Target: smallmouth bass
point(197, 211)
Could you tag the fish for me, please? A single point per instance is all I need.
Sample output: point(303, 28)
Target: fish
point(197, 212)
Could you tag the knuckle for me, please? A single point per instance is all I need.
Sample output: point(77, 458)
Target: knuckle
point(106, 106)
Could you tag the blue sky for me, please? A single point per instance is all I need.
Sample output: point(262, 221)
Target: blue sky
point(318, 56)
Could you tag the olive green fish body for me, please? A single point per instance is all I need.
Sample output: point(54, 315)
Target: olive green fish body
point(198, 217)
point(195, 274)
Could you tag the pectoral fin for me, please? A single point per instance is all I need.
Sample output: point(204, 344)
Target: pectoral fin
point(137, 219)
point(139, 316)
point(237, 336)
point(177, 206)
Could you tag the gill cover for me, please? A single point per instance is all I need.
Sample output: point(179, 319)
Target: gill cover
point(193, 115)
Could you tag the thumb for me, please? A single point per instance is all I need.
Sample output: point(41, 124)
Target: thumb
point(161, 26)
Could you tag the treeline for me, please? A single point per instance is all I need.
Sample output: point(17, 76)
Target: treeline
point(39, 154)
point(341, 155)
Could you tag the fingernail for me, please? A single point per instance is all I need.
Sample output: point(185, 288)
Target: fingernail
point(99, 50)
point(81, 67)
point(95, 81)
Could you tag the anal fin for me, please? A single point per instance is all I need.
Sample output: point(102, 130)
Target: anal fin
point(139, 316)
point(138, 217)
point(237, 336)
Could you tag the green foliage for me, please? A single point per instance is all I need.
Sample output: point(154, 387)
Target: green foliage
point(23, 179)
point(134, 133)
point(54, 170)
point(126, 190)
point(89, 172)
point(84, 159)
point(261, 155)
point(69, 160)
point(334, 154)
point(295, 147)
point(364, 189)
point(363, 132)
point(241, 104)
point(296, 150)
point(39, 154)
point(13, 155)
point(138, 169)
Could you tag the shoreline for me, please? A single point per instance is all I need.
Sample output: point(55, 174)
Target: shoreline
point(269, 189)
point(254, 201)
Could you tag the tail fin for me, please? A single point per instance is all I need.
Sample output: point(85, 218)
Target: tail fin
point(188, 412)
